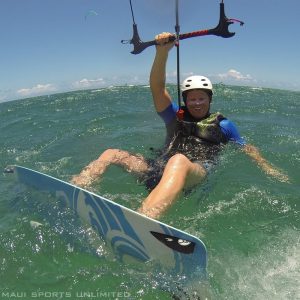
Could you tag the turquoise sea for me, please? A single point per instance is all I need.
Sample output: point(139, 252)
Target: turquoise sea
point(249, 222)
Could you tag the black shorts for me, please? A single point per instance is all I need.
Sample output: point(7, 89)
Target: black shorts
point(152, 177)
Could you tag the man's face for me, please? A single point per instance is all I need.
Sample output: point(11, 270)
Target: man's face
point(198, 103)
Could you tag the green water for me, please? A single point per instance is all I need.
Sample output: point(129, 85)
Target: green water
point(248, 221)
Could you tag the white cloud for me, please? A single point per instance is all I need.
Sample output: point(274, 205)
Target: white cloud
point(2, 98)
point(88, 83)
point(235, 75)
point(172, 76)
point(39, 89)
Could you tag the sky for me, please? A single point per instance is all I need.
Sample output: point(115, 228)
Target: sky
point(52, 46)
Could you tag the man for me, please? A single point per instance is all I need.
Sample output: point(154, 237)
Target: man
point(194, 137)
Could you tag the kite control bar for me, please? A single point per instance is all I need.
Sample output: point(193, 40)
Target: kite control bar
point(220, 30)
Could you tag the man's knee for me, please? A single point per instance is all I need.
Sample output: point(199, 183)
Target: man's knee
point(179, 159)
point(191, 173)
point(179, 162)
point(111, 155)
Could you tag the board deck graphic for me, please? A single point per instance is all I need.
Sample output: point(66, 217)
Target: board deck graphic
point(129, 234)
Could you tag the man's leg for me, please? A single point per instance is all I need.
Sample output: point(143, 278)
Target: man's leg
point(179, 173)
point(132, 163)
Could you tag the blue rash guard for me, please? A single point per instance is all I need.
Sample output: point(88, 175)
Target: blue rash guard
point(228, 128)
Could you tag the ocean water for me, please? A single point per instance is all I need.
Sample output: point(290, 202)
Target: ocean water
point(249, 221)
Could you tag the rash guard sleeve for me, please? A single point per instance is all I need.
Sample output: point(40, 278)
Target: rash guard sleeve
point(231, 132)
point(169, 113)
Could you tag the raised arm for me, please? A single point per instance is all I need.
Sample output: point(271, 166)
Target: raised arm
point(161, 97)
point(254, 153)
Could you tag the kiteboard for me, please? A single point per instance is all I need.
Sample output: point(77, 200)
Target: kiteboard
point(129, 234)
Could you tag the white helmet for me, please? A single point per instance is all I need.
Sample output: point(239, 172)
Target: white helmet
point(196, 82)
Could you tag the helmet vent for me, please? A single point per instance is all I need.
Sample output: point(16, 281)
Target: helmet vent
point(187, 85)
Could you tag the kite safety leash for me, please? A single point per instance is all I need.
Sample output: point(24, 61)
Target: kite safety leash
point(222, 30)
point(177, 30)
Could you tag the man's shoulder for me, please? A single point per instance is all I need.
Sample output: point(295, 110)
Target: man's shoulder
point(226, 123)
